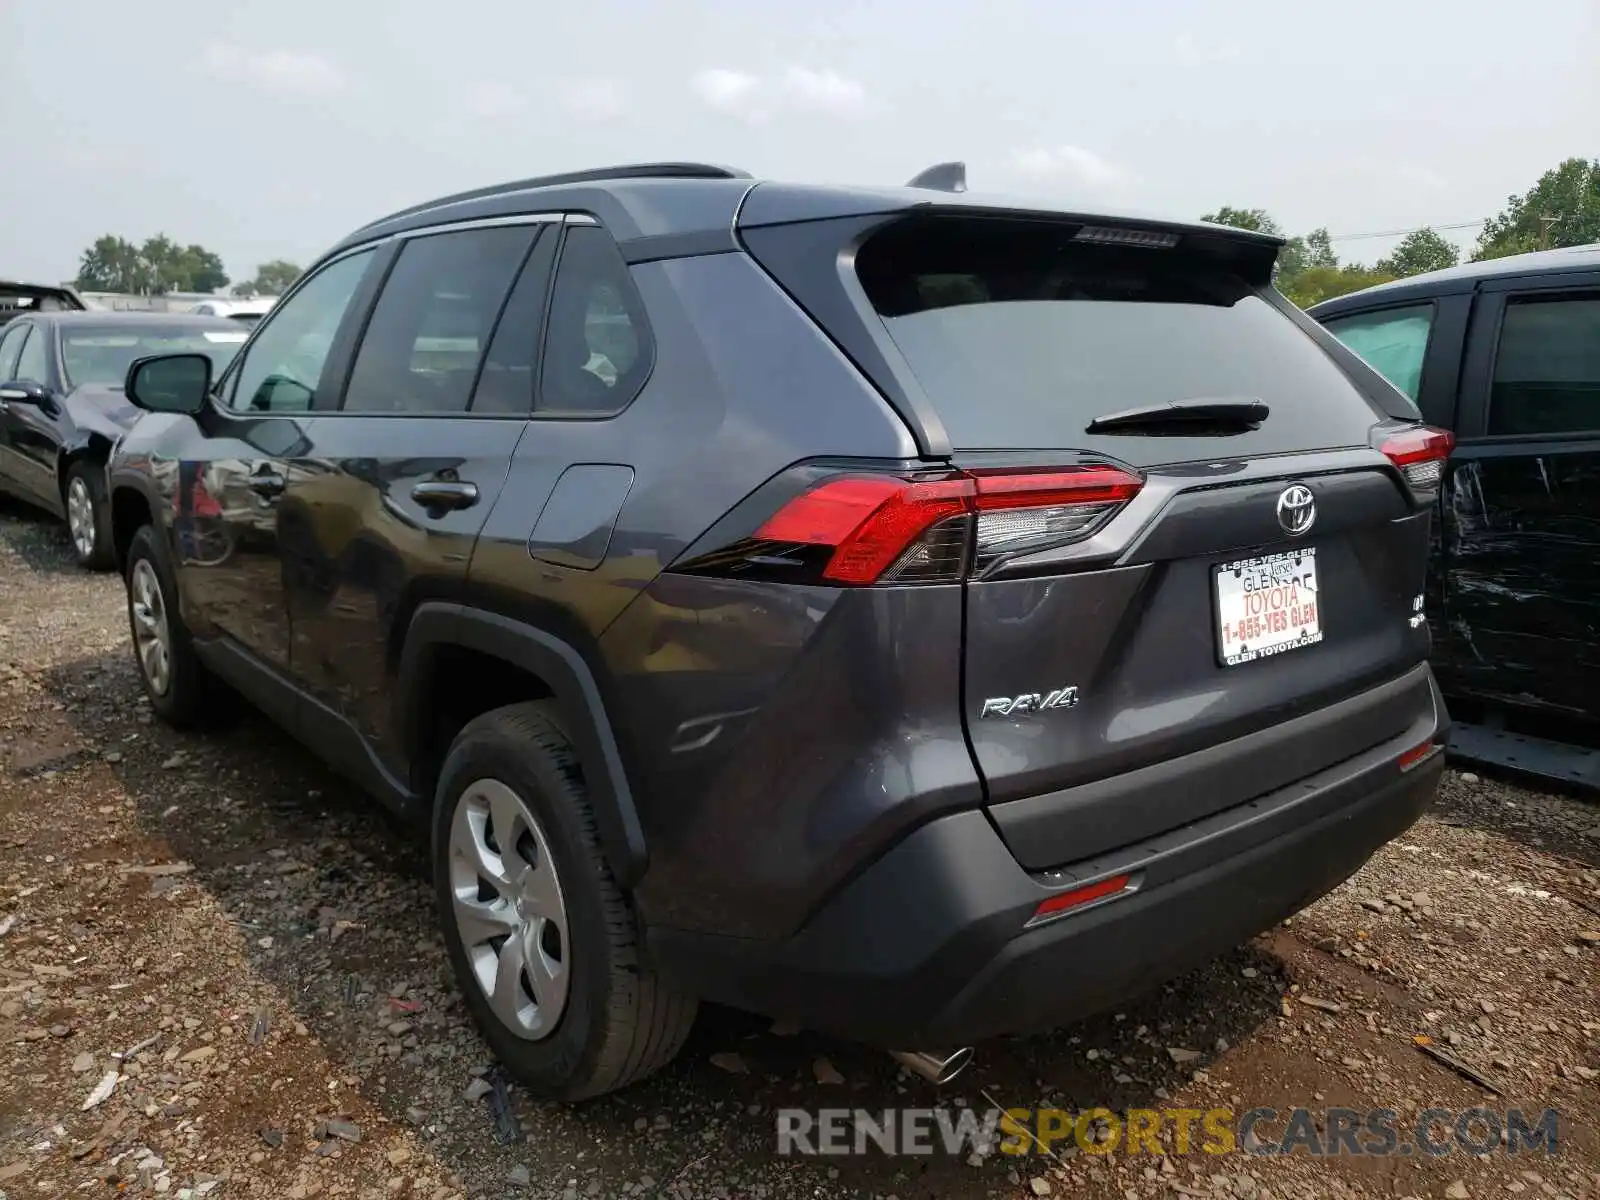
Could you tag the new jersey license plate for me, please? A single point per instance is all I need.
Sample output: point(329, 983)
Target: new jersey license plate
point(1266, 606)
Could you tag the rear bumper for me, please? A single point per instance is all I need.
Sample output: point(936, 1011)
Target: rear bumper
point(927, 947)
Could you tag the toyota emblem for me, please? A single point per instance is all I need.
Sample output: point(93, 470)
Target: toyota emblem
point(1297, 510)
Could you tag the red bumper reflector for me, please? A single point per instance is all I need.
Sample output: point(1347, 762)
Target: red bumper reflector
point(1083, 895)
point(1415, 755)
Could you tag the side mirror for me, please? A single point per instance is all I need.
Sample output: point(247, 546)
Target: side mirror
point(23, 392)
point(169, 383)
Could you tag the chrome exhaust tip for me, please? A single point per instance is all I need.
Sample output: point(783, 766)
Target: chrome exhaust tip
point(936, 1067)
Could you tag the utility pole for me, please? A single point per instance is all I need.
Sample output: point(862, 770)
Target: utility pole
point(1544, 230)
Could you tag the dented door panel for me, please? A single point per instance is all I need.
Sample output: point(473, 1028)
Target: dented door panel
point(1522, 593)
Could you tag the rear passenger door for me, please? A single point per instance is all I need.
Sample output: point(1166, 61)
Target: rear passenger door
point(1523, 506)
point(412, 460)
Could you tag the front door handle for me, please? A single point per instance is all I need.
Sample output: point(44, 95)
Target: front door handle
point(441, 494)
point(266, 483)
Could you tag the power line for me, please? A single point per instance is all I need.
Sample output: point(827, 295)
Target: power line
point(1384, 233)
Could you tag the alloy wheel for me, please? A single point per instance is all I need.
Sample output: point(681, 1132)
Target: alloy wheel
point(80, 517)
point(152, 634)
point(509, 909)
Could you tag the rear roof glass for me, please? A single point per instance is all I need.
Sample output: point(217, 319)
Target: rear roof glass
point(1020, 335)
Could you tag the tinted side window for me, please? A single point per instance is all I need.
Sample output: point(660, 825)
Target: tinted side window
point(1394, 342)
point(432, 321)
point(597, 345)
point(34, 362)
point(1547, 369)
point(505, 385)
point(10, 349)
point(282, 368)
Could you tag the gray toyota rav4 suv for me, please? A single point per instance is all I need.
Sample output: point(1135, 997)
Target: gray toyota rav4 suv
point(917, 616)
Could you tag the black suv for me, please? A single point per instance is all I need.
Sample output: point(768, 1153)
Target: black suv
point(1506, 355)
point(889, 610)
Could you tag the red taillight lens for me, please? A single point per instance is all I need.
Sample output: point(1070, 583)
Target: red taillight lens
point(885, 529)
point(869, 521)
point(1420, 453)
point(1070, 485)
point(1078, 897)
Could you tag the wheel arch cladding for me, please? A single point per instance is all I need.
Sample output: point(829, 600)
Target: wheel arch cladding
point(436, 625)
point(95, 447)
point(130, 511)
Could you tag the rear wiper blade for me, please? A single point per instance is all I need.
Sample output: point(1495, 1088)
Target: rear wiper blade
point(1246, 411)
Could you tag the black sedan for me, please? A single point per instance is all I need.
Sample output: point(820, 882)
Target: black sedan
point(62, 409)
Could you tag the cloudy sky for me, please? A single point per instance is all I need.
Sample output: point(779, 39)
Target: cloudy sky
point(265, 130)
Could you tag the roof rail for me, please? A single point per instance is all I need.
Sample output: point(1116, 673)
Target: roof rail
point(667, 170)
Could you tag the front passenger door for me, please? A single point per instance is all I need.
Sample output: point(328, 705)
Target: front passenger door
point(230, 480)
point(410, 465)
point(10, 350)
point(28, 430)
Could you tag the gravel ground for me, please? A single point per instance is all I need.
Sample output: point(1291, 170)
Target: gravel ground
point(242, 950)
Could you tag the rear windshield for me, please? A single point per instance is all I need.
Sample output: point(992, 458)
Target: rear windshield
point(1020, 336)
point(102, 354)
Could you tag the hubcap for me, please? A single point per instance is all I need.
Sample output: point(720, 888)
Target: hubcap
point(509, 909)
point(80, 516)
point(152, 639)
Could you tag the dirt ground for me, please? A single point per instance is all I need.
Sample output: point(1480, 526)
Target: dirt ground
point(239, 952)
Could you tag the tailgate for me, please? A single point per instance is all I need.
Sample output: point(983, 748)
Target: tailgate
point(1142, 643)
point(1267, 565)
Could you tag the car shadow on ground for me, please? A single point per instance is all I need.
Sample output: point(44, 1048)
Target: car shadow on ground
point(38, 538)
point(333, 909)
point(1550, 821)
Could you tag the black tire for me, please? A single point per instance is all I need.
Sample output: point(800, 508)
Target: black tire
point(102, 555)
point(621, 1021)
point(193, 697)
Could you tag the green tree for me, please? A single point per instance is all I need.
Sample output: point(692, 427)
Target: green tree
point(1562, 209)
point(202, 269)
point(1319, 249)
point(1315, 284)
point(113, 264)
point(1257, 219)
point(163, 256)
point(276, 277)
point(160, 265)
point(1423, 250)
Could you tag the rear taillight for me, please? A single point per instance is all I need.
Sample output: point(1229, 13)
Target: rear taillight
point(1019, 512)
point(869, 523)
point(1420, 453)
point(858, 530)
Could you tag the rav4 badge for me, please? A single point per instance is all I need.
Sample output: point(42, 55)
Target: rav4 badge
point(1029, 703)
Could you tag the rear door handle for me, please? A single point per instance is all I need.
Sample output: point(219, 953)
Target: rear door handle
point(266, 483)
point(440, 494)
